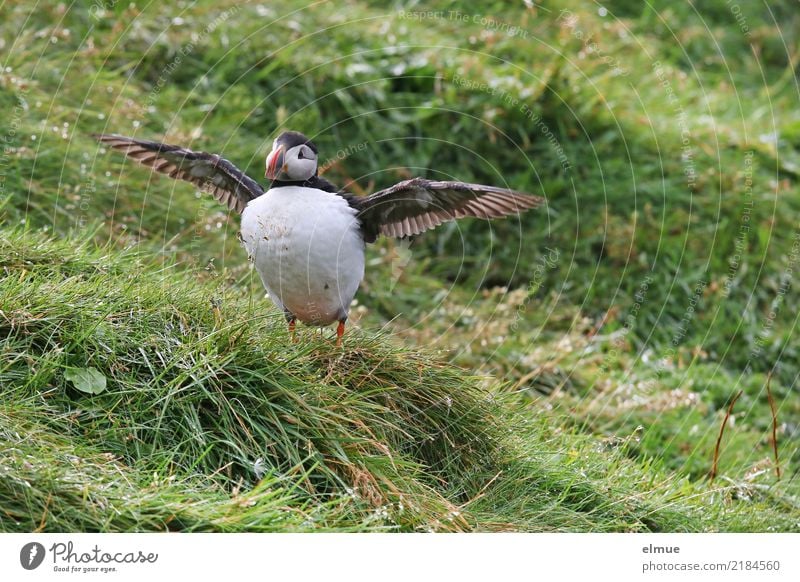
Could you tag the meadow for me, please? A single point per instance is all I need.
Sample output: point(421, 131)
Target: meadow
point(567, 370)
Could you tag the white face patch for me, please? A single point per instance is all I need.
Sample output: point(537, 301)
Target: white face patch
point(300, 162)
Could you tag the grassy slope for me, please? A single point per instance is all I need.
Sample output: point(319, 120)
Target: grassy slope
point(574, 391)
point(203, 402)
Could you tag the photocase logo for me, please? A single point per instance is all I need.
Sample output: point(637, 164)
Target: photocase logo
point(31, 555)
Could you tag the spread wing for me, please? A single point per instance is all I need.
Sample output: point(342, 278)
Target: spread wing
point(209, 172)
point(414, 206)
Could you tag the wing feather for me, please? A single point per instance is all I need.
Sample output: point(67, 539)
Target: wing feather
point(208, 172)
point(413, 206)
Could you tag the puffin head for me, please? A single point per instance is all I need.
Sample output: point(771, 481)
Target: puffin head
point(293, 158)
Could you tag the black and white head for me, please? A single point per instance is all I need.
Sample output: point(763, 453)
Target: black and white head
point(293, 158)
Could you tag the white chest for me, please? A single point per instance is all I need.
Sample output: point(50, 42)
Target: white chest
point(307, 248)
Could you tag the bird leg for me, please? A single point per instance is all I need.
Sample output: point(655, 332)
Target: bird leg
point(339, 333)
point(292, 321)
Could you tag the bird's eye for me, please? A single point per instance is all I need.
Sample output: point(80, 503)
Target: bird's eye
point(300, 155)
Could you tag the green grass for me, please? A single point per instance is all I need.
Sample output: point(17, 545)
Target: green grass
point(215, 421)
point(569, 370)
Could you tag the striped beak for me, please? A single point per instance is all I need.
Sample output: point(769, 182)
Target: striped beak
point(274, 163)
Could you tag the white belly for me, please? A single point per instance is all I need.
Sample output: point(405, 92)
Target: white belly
point(307, 248)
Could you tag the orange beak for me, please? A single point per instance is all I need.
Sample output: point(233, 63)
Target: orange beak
point(274, 163)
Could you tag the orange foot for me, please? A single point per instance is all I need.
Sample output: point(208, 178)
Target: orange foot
point(292, 331)
point(339, 334)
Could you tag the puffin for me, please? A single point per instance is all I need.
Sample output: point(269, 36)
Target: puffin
point(307, 238)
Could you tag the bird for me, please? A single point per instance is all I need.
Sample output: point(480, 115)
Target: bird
point(307, 238)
